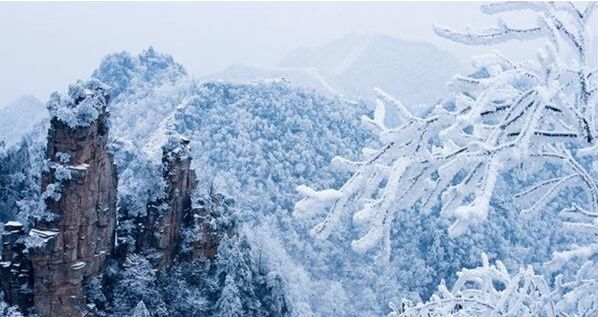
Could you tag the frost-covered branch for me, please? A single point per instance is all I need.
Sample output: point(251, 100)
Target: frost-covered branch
point(491, 36)
point(489, 290)
point(497, 118)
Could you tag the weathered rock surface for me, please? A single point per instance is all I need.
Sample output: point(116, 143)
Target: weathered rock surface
point(80, 190)
point(160, 229)
point(15, 268)
point(74, 237)
point(208, 223)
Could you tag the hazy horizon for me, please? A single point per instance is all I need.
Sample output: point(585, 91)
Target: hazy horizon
point(46, 46)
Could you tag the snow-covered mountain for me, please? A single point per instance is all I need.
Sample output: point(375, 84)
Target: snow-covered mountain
point(19, 117)
point(305, 77)
point(256, 141)
point(415, 72)
point(301, 190)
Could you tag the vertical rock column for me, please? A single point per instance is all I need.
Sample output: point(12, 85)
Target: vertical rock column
point(76, 236)
point(161, 230)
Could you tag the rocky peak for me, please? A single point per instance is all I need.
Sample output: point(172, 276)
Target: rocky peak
point(160, 228)
point(123, 70)
point(79, 192)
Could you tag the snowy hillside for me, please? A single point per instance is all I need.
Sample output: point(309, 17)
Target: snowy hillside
point(257, 141)
point(19, 117)
point(260, 140)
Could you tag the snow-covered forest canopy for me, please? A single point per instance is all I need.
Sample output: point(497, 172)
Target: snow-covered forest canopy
point(301, 190)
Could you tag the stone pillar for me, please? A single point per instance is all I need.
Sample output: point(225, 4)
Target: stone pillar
point(161, 227)
point(80, 194)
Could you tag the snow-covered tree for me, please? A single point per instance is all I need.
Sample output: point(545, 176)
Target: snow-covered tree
point(523, 131)
point(507, 114)
point(276, 300)
point(235, 262)
point(135, 283)
point(565, 131)
point(122, 71)
point(141, 310)
point(489, 290)
point(229, 303)
point(492, 290)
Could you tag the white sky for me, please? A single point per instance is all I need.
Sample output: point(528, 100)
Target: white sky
point(46, 46)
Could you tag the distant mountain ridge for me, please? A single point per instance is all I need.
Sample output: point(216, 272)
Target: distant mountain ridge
point(414, 72)
point(19, 117)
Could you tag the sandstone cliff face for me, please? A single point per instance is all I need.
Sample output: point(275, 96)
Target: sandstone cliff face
point(160, 228)
point(80, 191)
point(74, 236)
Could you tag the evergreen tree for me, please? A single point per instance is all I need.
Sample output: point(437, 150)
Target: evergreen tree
point(275, 301)
point(229, 303)
point(227, 259)
point(141, 310)
point(138, 283)
point(234, 260)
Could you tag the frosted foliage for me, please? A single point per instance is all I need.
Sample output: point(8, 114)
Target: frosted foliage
point(122, 71)
point(258, 141)
point(492, 290)
point(229, 303)
point(137, 283)
point(488, 290)
point(139, 179)
point(522, 133)
point(81, 105)
point(534, 112)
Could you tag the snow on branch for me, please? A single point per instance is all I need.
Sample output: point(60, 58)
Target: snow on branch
point(557, 22)
point(491, 36)
point(503, 115)
point(488, 290)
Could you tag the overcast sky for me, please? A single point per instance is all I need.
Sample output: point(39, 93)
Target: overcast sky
point(46, 46)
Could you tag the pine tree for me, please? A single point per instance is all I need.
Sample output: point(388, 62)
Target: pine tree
point(138, 283)
point(276, 301)
point(229, 303)
point(234, 260)
point(227, 259)
point(141, 310)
